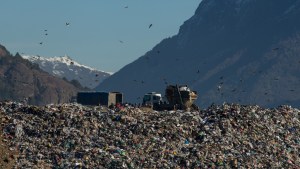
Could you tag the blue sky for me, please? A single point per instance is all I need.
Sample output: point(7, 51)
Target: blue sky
point(96, 28)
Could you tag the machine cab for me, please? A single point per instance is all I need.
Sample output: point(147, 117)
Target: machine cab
point(152, 98)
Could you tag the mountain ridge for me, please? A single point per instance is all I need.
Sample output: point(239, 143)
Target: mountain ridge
point(21, 80)
point(66, 67)
point(238, 46)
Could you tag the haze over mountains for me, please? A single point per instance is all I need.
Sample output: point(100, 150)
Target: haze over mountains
point(241, 51)
point(66, 67)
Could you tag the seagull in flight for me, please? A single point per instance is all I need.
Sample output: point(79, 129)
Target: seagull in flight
point(219, 87)
point(67, 24)
point(150, 25)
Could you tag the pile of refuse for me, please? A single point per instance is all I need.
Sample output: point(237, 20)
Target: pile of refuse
point(225, 136)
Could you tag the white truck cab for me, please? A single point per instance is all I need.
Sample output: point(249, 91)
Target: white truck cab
point(152, 98)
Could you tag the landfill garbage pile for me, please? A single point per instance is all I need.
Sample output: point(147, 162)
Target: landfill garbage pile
point(7, 157)
point(225, 136)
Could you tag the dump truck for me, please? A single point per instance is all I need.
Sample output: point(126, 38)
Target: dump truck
point(176, 97)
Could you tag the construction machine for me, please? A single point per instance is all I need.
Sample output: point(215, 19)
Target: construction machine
point(151, 98)
point(177, 97)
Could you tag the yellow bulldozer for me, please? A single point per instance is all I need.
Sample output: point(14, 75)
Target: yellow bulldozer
point(177, 97)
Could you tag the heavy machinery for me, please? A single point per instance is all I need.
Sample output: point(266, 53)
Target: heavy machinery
point(177, 97)
point(151, 98)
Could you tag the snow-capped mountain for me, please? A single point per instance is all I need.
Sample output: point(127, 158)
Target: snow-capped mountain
point(66, 67)
point(20, 79)
point(236, 51)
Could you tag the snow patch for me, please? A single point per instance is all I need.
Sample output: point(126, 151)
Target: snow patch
point(66, 67)
point(58, 73)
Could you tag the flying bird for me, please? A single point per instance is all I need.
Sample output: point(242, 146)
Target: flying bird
point(46, 34)
point(126, 7)
point(219, 87)
point(41, 43)
point(150, 25)
point(67, 24)
point(121, 41)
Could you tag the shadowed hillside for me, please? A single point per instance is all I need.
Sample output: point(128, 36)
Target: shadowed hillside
point(21, 79)
point(246, 52)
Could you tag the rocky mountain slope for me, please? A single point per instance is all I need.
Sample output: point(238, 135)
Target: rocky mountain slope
point(21, 79)
point(246, 52)
point(65, 67)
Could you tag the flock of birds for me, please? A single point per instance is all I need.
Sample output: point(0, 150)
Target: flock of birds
point(219, 87)
point(68, 24)
point(46, 32)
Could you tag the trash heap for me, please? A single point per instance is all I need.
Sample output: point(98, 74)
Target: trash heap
point(225, 136)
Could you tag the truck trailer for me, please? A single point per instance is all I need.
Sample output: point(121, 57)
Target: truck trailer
point(99, 98)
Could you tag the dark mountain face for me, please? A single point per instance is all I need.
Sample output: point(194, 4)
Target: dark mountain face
point(21, 79)
point(242, 51)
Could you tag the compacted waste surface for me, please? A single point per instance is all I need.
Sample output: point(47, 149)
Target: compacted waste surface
point(224, 136)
